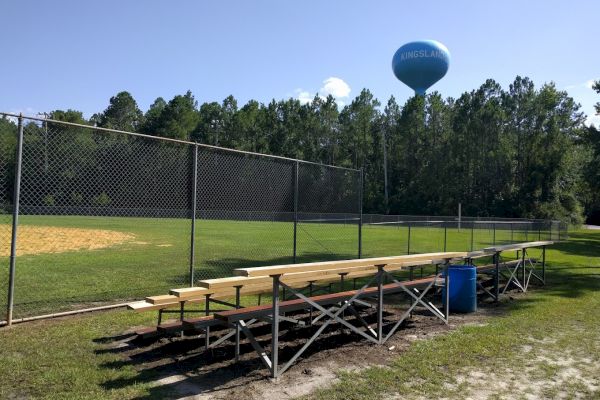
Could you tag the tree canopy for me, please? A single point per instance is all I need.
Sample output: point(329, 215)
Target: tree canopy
point(523, 151)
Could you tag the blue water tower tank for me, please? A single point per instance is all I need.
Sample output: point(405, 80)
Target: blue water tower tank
point(420, 64)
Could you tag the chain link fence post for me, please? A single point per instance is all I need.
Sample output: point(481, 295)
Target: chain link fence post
point(296, 168)
point(445, 235)
point(15, 224)
point(408, 241)
point(194, 202)
point(360, 210)
point(472, 233)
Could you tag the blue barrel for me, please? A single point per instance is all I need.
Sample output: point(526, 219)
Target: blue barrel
point(463, 288)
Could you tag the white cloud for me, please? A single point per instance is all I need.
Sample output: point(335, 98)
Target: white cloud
point(590, 83)
point(333, 86)
point(593, 119)
point(27, 111)
point(303, 96)
point(587, 84)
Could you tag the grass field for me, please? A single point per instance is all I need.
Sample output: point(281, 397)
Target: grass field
point(151, 255)
point(545, 344)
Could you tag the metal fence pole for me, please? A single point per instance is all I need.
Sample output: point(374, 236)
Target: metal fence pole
point(408, 242)
point(360, 207)
point(445, 235)
point(194, 200)
point(494, 239)
point(296, 210)
point(472, 232)
point(15, 224)
point(512, 238)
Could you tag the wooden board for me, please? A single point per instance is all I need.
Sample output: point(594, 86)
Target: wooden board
point(232, 282)
point(331, 265)
point(141, 306)
point(265, 285)
point(478, 254)
point(517, 246)
point(162, 299)
point(196, 291)
point(307, 276)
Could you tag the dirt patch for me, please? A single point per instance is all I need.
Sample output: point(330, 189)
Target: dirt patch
point(540, 371)
point(553, 375)
point(51, 239)
point(181, 365)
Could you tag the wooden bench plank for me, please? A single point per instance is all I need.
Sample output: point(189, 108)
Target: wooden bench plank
point(141, 306)
point(294, 280)
point(518, 246)
point(308, 267)
point(162, 299)
point(197, 295)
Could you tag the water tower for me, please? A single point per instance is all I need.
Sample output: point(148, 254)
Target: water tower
point(420, 64)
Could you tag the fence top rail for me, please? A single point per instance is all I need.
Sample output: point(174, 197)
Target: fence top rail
point(454, 218)
point(208, 146)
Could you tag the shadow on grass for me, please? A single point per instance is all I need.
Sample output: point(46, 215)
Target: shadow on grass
point(199, 372)
point(581, 244)
point(203, 372)
point(212, 371)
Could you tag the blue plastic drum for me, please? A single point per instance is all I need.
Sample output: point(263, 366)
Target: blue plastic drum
point(463, 288)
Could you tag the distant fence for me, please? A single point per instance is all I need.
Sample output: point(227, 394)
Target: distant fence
point(103, 217)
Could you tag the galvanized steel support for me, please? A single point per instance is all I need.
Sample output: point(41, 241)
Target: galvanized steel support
point(194, 201)
point(275, 327)
point(15, 224)
point(296, 188)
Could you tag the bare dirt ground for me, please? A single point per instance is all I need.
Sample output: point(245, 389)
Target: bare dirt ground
point(49, 239)
point(548, 373)
point(182, 366)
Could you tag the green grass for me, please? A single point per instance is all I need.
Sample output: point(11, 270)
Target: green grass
point(158, 258)
point(561, 322)
point(67, 358)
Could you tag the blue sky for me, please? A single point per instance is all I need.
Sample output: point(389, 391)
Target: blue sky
point(77, 54)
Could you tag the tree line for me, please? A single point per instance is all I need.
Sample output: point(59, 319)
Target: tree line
point(516, 152)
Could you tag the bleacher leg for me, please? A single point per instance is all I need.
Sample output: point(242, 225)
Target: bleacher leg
point(207, 312)
point(543, 265)
point(380, 303)
point(497, 277)
point(275, 328)
point(237, 325)
point(524, 269)
point(447, 286)
point(181, 308)
point(310, 310)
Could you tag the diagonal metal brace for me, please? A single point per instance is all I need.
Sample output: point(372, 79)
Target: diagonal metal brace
point(326, 324)
point(329, 314)
point(418, 300)
point(257, 347)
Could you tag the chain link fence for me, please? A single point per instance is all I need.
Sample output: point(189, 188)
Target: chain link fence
point(386, 234)
point(107, 217)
